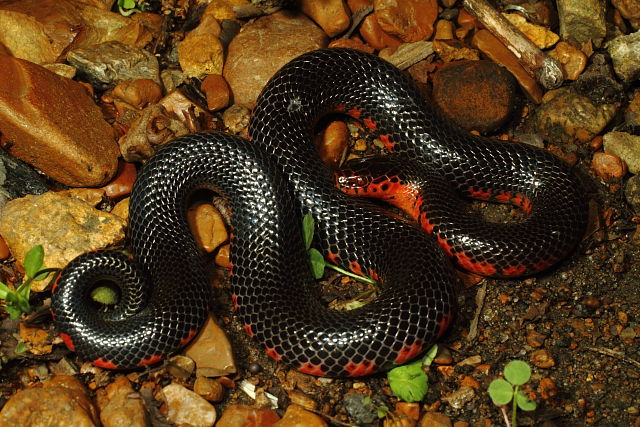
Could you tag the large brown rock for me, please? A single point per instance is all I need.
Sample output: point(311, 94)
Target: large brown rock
point(52, 123)
point(263, 47)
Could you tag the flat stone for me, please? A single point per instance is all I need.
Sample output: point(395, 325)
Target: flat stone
point(331, 15)
point(478, 95)
point(263, 47)
point(239, 415)
point(52, 123)
point(625, 146)
point(296, 416)
point(582, 20)
point(409, 20)
point(106, 64)
point(211, 351)
point(63, 401)
point(187, 408)
point(625, 55)
point(64, 226)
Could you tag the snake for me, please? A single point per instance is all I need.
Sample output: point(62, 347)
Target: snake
point(274, 178)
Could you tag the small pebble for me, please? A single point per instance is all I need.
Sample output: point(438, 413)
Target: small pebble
point(608, 167)
point(542, 359)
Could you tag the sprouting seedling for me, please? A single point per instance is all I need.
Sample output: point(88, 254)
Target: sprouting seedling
point(127, 7)
point(318, 263)
point(503, 391)
point(17, 301)
point(410, 382)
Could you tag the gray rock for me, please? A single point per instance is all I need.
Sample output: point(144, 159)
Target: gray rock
point(107, 64)
point(632, 193)
point(582, 20)
point(625, 54)
point(625, 146)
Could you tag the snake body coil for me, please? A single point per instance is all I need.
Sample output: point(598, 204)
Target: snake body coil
point(271, 181)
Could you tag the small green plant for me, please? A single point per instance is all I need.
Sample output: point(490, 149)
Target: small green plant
point(410, 382)
point(318, 263)
point(503, 391)
point(127, 7)
point(382, 410)
point(17, 301)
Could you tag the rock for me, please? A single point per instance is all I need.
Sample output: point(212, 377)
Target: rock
point(632, 112)
point(238, 415)
point(409, 20)
point(17, 179)
point(186, 407)
point(573, 60)
point(410, 409)
point(236, 118)
point(302, 399)
point(372, 33)
point(225, 9)
point(296, 416)
point(459, 398)
point(71, 142)
point(65, 227)
point(107, 64)
point(582, 20)
point(201, 51)
point(120, 405)
point(625, 146)
point(625, 55)
point(61, 401)
point(632, 193)
point(362, 412)
point(478, 95)
point(208, 227)
point(4, 250)
point(332, 149)
point(542, 359)
point(407, 54)
point(488, 44)
point(121, 209)
point(137, 93)
point(352, 43)
point(539, 35)
point(222, 257)
point(630, 10)
point(565, 116)
point(435, 419)
point(211, 351)
point(210, 389)
point(444, 30)
point(217, 91)
point(153, 128)
point(599, 83)
point(123, 182)
point(535, 338)
point(332, 16)
point(263, 47)
point(180, 366)
point(42, 31)
point(454, 50)
point(547, 388)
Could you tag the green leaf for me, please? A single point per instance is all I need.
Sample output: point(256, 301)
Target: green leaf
point(517, 372)
point(317, 263)
point(21, 347)
point(307, 230)
point(382, 411)
point(33, 260)
point(409, 382)
point(500, 391)
point(104, 295)
point(4, 290)
point(128, 4)
point(525, 403)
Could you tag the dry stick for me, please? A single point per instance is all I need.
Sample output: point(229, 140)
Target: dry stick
point(546, 69)
point(480, 296)
point(615, 354)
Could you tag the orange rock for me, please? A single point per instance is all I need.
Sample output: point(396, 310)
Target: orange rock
point(54, 125)
point(208, 226)
point(217, 91)
point(357, 4)
point(222, 257)
point(497, 52)
point(609, 167)
point(332, 15)
point(454, 50)
point(4, 249)
point(334, 143)
point(373, 34)
point(211, 351)
point(209, 388)
point(410, 20)
point(573, 60)
point(138, 93)
point(411, 410)
point(296, 416)
point(444, 30)
point(352, 43)
point(542, 359)
point(547, 388)
point(122, 184)
point(535, 338)
point(239, 415)
point(435, 419)
point(470, 382)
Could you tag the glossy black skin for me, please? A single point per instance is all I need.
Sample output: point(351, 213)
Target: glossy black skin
point(270, 183)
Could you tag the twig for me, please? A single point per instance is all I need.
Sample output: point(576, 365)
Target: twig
point(503, 409)
point(546, 69)
point(480, 296)
point(616, 354)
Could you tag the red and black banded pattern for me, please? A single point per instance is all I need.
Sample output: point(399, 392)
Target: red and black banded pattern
point(270, 183)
